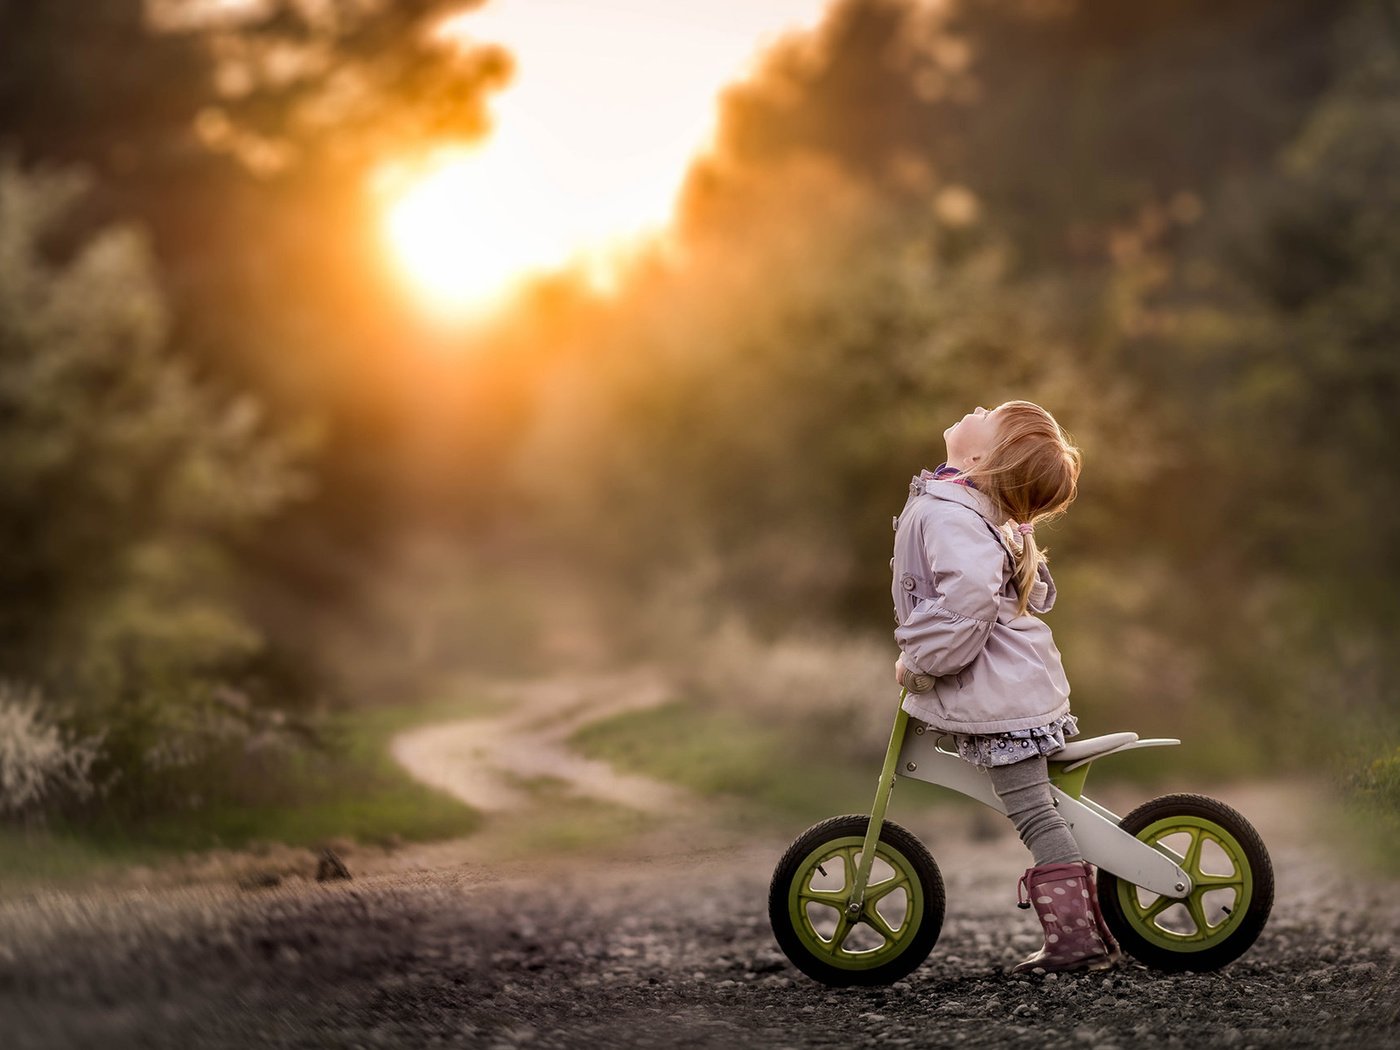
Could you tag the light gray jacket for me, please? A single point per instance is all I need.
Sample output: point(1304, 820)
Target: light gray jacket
point(955, 603)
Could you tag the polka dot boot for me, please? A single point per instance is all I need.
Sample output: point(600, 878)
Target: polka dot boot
point(1063, 898)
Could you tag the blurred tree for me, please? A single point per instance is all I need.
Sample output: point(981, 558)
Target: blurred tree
point(1064, 119)
point(1275, 338)
point(242, 137)
point(124, 481)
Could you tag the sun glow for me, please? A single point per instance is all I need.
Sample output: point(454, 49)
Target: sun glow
point(465, 234)
point(590, 143)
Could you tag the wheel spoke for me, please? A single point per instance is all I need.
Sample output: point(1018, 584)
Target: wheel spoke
point(1198, 914)
point(836, 900)
point(1156, 908)
point(877, 922)
point(848, 857)
point(1192, 861)
point(1216, 882)
point(883, 889)
point(843, 927)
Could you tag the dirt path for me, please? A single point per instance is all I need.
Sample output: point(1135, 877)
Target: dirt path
point(488, 763)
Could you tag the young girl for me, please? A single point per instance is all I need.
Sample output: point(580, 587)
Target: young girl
point(968, 575)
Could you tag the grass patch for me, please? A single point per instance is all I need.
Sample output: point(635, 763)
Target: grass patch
point(785, 772)
point(1367, 811)
point(570, 824)
point(353, 790)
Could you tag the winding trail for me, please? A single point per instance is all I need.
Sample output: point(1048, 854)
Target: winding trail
point(489, 762)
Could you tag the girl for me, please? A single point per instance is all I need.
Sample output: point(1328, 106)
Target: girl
point(968, 574)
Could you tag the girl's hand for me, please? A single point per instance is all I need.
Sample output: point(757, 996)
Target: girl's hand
point(911, 680)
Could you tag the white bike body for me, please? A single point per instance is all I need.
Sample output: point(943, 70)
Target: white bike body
point(927, 754)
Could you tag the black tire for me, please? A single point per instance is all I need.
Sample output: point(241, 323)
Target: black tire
point(1164, 948)
point(916, 935)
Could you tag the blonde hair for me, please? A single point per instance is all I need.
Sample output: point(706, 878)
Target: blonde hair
point(1031, 474)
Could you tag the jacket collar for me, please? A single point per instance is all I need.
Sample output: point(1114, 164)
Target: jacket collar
point(969, 497)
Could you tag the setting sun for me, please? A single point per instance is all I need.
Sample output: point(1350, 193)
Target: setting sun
point(463, 232)
point(610, 102)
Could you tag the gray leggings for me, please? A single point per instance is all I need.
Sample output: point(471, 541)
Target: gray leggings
point(1024, 789)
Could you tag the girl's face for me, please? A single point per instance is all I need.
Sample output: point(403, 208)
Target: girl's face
point(971, 438)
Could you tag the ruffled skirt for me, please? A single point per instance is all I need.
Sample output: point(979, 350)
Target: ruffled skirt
point(1004, 749)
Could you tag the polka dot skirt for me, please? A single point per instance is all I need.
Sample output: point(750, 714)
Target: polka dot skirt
point(1004, 749)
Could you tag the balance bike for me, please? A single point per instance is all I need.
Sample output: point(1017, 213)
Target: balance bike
point(1184, 881)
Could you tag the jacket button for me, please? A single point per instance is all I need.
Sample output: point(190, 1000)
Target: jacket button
point(913, 488)
point(908, 583)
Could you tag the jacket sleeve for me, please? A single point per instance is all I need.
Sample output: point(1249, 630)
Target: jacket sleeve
point(967, 567)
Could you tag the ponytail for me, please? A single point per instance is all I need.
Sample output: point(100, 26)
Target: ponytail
point(1029, 558)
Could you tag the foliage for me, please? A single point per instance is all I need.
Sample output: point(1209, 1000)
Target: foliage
point(350, 789)
point(1274, 340)
point(124, 483)
point(39, 760)
point(1378, 783)
point(1368, 790)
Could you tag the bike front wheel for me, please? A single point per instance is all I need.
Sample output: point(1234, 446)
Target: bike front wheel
point(900, 918)
point(1232, 883)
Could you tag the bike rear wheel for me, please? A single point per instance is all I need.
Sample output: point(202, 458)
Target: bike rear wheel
point(1232, 886)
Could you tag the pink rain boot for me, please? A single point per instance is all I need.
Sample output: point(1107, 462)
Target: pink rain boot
point(1063, 898)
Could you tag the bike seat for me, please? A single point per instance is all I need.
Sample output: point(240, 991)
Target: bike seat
point(1080, 750)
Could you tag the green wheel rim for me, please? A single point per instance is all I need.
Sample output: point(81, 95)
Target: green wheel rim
point(836, 948)
point(1209, 924)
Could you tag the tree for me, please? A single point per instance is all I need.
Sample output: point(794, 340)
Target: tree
point(124, 481)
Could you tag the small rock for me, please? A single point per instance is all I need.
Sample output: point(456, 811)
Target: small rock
point(330, 867)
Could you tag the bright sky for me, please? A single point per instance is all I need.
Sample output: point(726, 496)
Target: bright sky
point(610, 101)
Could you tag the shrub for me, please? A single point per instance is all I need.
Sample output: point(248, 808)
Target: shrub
point(128, 482)
point(40, 762)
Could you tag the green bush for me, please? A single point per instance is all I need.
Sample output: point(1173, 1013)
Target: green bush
point(125, 482)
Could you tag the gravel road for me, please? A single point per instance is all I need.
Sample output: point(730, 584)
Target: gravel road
point(664, 943)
